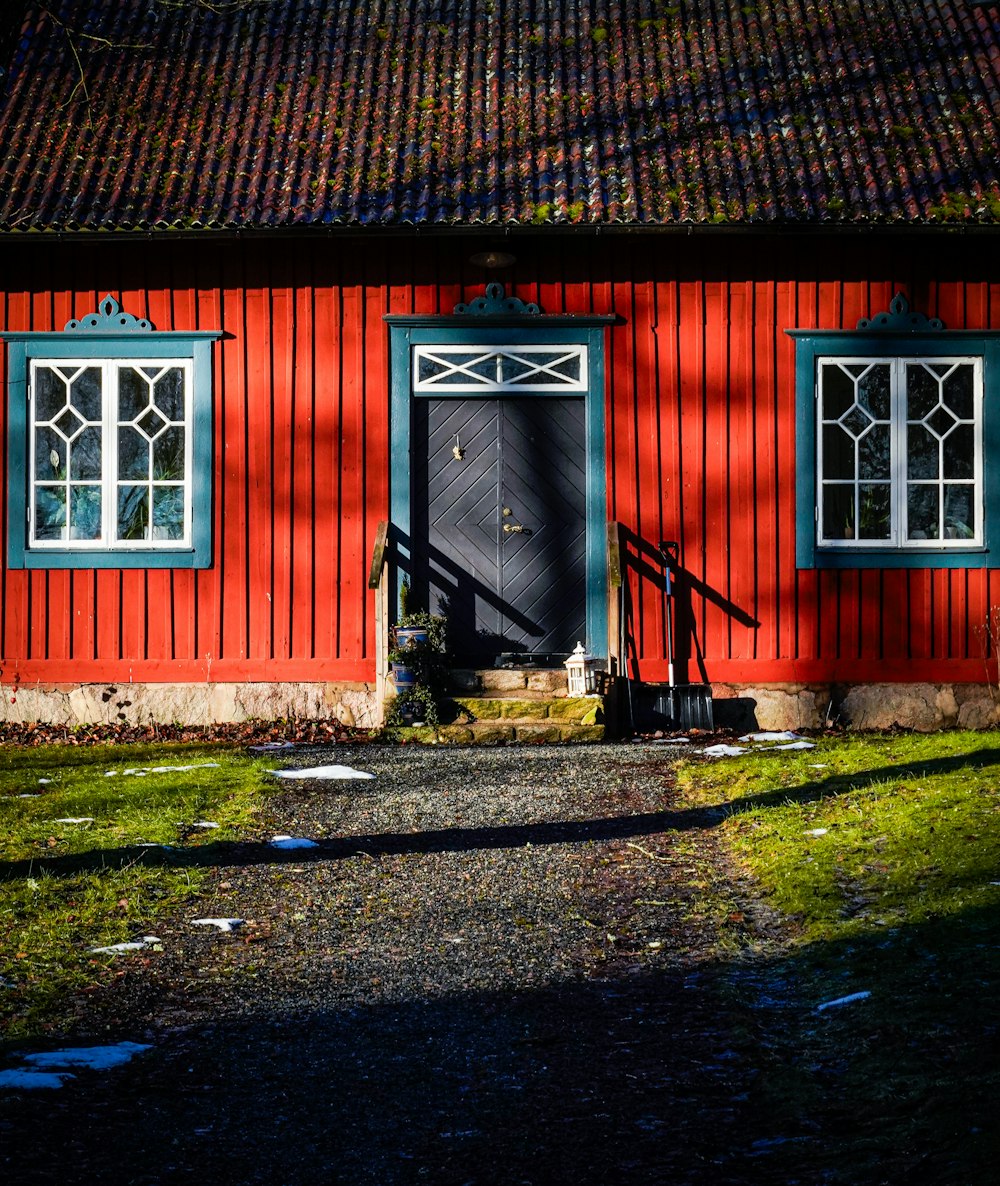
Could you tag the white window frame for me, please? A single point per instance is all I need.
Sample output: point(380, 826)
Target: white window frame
point(899, 481)
point(111, 368)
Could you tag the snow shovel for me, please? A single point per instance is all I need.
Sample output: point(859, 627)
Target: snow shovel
point(689, 706)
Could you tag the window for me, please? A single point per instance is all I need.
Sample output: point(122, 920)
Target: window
point(894, 429)
point(110, 446)
point(900, 454)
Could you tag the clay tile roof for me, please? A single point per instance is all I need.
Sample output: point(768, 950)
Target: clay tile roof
point(139, 114)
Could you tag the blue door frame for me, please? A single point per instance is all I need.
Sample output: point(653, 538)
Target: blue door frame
point(494, 330)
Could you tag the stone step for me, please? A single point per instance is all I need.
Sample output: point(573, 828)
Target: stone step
point(523, 683)
point(500, 732)
point(583, 710)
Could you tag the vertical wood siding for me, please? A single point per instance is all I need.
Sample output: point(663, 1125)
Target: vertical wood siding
point(700, 448)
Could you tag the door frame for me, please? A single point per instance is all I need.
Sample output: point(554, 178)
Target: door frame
point(493, 329)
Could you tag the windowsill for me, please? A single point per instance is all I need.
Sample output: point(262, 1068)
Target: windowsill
point(974, 557)
point(131, 558)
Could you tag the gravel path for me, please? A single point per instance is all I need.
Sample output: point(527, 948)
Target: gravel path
point(499, 966)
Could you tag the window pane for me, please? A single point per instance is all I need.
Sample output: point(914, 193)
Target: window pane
point(838, 392)
point(923, 392)
point(838, 453)
point(50, 455)
point(50, 393)
point(85, 394)
point(50, 512)
point(873, 391)
point(133, 512)
point(133, 393)
point(922, 453)
point(922, 506)
point(958, 391)
point(133, 455)
point(85, 456)
point(838, 512)
point(959, 452)
point(958, 516)
point(873, 453)
point(85, 512)
point(168, 456)
point(873, 511)
point(168, 512)
point(168, 394)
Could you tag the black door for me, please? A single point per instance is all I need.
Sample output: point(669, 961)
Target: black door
point(498, 523)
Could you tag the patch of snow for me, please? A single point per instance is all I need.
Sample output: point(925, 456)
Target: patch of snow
point(818, 766)
point(292, 842)
point(141, 771)
point(204, 823)
point(223, 924)
point(75, 819)
point(786, 735)
point(854, 996)
point(323, 772)
point(135, 945)
point(167, 847)
point(96, 1058)
point(789, 745)
point(269, 747)
point(723, 751)
point(19, 1079)
point(30, 795)
point(44, 781)
point(816, 832)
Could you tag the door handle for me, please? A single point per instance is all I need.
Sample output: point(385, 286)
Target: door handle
point(513, 528)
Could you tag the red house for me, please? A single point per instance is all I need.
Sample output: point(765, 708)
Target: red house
point(514, 279)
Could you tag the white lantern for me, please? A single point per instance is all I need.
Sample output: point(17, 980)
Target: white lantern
point(581, 672)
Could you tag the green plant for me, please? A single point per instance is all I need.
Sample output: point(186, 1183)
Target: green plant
point(413, 705)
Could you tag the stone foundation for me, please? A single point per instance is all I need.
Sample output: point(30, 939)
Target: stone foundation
point(189, 704)
point(923, 707)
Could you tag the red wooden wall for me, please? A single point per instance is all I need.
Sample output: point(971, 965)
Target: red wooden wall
point(700, 449)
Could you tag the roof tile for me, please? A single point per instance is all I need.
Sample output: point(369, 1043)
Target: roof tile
point(290, 113)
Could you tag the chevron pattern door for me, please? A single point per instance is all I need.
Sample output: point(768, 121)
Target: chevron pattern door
point(499, 522)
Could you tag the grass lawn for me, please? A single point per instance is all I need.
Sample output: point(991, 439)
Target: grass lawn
point(49, 923)
point(882, 854)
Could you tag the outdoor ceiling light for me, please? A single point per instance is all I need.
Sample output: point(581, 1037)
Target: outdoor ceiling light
point(493, 260)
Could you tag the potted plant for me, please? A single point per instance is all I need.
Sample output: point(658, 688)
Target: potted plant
point(416, 661)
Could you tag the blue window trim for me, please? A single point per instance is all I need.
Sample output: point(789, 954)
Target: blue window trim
point(126, 342)
point(407, 331)
point(869, 341)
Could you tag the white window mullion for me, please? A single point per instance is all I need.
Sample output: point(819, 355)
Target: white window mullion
point(898, 453)
point(110, 470)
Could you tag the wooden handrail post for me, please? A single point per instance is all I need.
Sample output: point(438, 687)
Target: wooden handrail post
point(378, 579)
point(614, 599)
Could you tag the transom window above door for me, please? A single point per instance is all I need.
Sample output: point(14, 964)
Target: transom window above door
point(480, 369)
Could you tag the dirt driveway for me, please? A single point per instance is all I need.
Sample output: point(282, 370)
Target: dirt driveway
point(497, 966)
